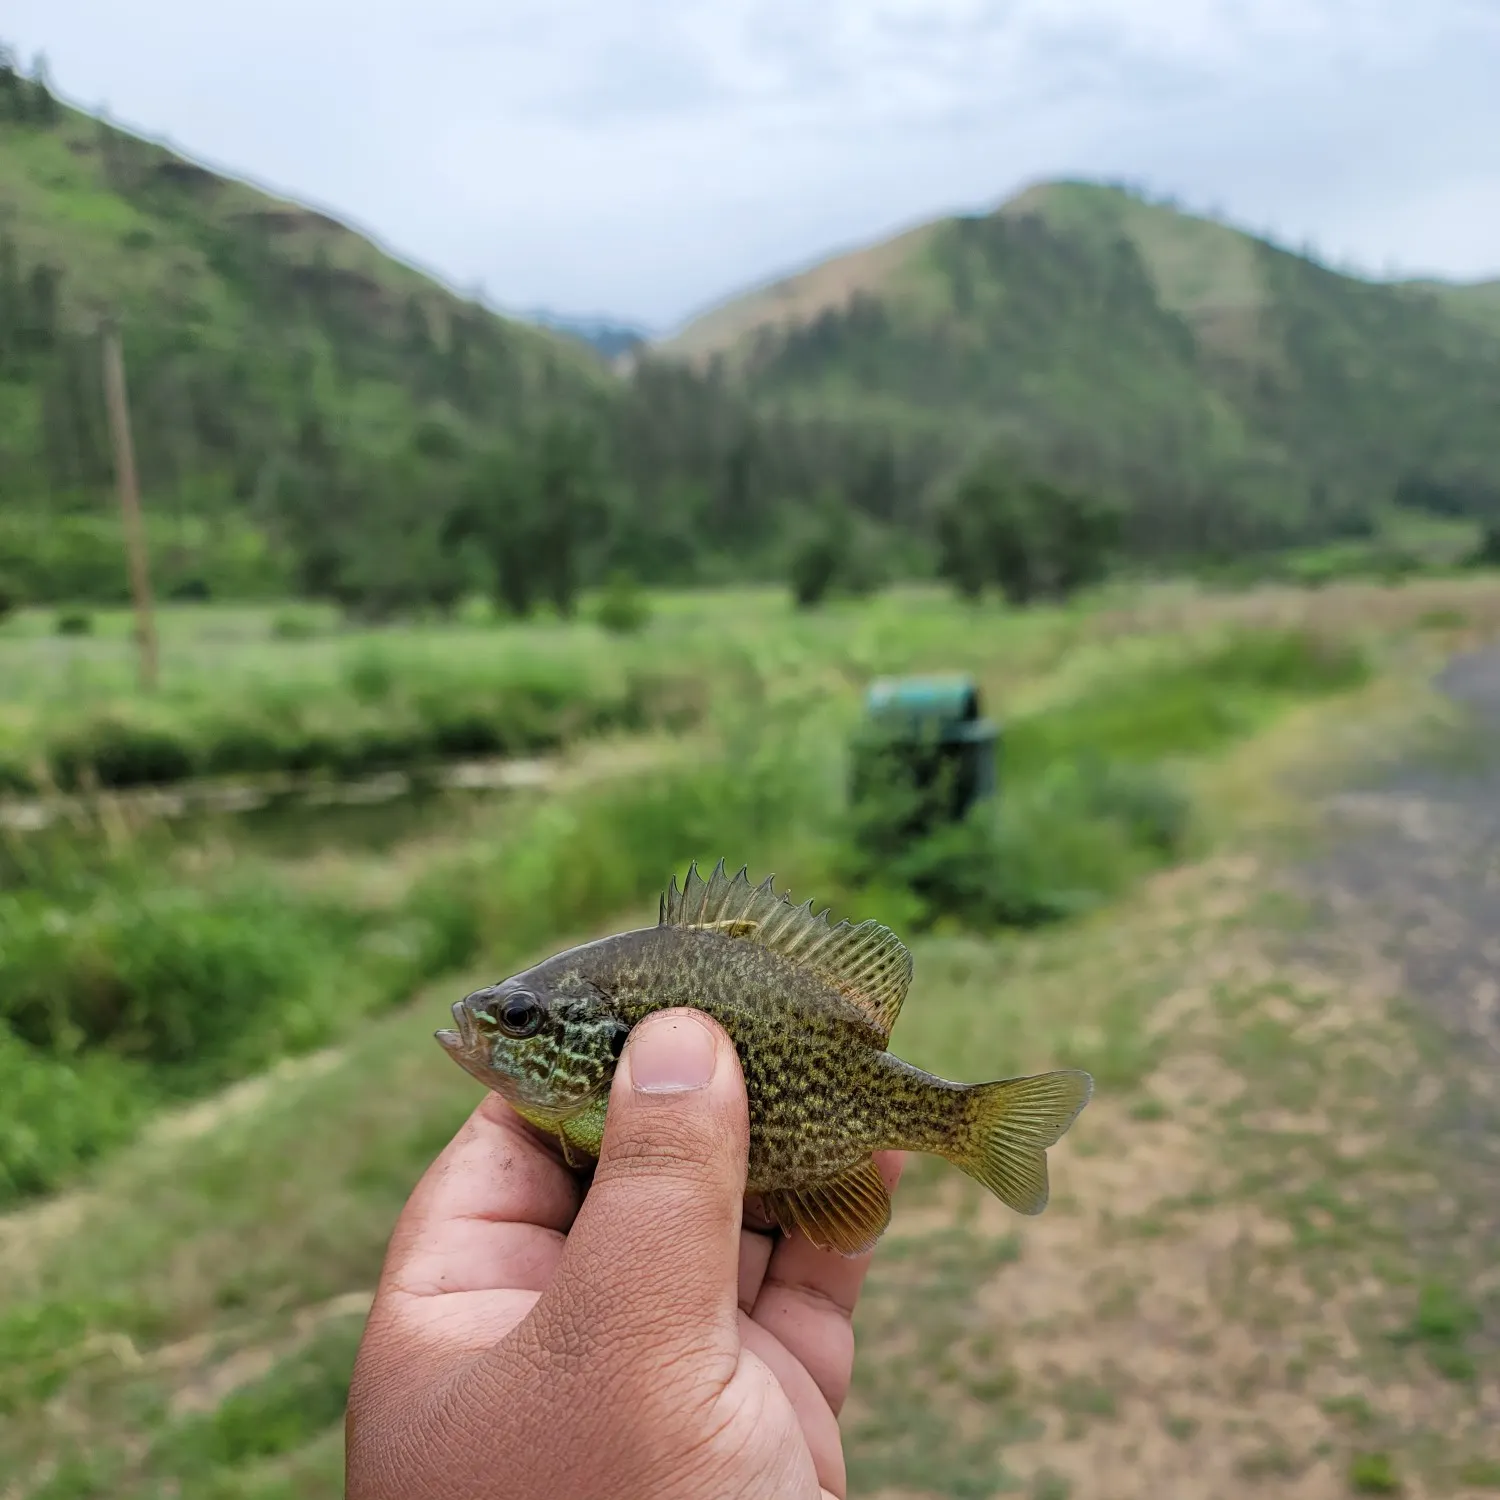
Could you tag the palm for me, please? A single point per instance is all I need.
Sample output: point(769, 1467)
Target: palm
point(483, 1237)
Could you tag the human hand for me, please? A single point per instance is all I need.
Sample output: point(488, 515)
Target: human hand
point(641, 1346)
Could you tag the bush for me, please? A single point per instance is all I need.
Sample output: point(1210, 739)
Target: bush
point(74, 622)
point(1084, 806)
point(77, 556)
point(1042, 851)
point(56, 1114)
point(394, 711)
point(10, 598)
point(191, 589)
point(294, 625)
point(205, 980)
point(623, 607)
point(1487, 553)
point(115, 753)
point(815, 565)
point(1027, 536)
point(1373, 1474)
point(586, 857)
point(370, 674)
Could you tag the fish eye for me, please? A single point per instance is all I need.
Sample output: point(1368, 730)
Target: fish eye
point(519, 1015)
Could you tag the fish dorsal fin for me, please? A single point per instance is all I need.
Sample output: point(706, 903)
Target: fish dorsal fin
point(847, 1214)
point(867, 963)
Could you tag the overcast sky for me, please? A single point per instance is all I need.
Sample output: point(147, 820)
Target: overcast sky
point(647, 157)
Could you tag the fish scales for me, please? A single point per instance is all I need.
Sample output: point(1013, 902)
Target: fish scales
point(822, 1091)
point(809, 1007)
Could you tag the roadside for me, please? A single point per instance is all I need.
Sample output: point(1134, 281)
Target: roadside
point(1270, 1264)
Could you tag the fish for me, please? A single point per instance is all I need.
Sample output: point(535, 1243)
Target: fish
point(809, 1006)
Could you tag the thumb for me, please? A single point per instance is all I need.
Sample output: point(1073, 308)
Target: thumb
point(651, 1265)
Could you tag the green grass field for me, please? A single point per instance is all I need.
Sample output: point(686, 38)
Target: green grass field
point(207, 1353)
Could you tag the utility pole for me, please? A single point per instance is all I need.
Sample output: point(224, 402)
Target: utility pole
point(130, 503)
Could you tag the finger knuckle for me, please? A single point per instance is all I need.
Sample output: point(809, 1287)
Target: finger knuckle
point(683, 1151)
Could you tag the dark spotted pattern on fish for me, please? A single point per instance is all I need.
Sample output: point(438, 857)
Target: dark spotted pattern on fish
point(808, 1007)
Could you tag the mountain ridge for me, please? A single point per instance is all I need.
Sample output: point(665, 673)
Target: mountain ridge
point(793, 295)
point(1124, 345)
point(352, 414)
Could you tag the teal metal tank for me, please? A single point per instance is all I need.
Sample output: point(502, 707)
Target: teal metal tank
point(928, 737)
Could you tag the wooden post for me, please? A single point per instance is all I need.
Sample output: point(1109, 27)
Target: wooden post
point(130, 503)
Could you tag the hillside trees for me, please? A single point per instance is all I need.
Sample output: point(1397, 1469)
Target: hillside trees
point(535, 507)
point(25, 100)
point(1029, 537)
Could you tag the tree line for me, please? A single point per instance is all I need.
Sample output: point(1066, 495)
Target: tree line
point(304, 426)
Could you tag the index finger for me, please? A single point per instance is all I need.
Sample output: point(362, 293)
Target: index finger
point(490, 1213)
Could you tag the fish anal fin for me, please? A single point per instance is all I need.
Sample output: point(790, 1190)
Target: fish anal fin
point(866, 962)
point(847, 1214)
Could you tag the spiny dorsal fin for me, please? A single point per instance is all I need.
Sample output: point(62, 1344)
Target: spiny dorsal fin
point(867, 963)
point(848, 1214)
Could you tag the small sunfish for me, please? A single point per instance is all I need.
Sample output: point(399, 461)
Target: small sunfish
point(810, 1007)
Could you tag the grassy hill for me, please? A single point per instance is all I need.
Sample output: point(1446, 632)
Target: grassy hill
point(262, 337)
point(1136, 347)
point(1476, 300)
point(312, 415)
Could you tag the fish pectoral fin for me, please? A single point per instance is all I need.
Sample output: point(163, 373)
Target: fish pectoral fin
point(848, 1213)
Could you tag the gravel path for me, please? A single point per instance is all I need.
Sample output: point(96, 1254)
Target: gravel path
point(1419, 861)
point(1411, 882)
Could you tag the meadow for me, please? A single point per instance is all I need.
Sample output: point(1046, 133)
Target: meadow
point(185, 1006)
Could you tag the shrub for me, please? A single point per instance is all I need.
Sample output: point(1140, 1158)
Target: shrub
point(1487, 553)
point(193, 977)
point(1373, 1474)
point(112, 752)
point(815, 566)
point(1026, 535)
point(191, 589)
point(294, 625)
point(623, 607)
point(74, 622)
point(1040, 852)
point(56, 1114)
point(370, 675)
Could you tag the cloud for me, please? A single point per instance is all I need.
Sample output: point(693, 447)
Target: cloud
point(648, 156)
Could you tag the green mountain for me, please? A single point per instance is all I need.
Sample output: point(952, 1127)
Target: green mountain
point(312, 414)
point(278, 362)
point(1477, 300)
point(1232, 389)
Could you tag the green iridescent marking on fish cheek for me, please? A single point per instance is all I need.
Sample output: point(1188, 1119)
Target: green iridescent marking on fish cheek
point(565, 1064)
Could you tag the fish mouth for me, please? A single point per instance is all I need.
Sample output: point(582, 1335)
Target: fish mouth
point(461, 1040)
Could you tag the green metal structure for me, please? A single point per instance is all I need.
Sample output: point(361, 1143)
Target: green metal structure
point(927, 736)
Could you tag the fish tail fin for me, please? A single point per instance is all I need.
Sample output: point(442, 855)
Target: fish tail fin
point(1006, 1128)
